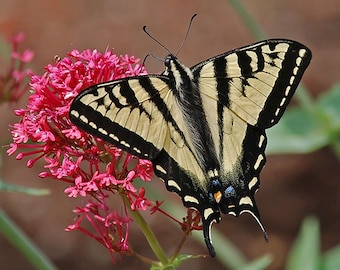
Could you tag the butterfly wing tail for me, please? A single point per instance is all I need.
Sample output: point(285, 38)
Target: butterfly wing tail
point(207, 224)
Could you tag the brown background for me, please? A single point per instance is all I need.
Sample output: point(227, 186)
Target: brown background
point(293, 186)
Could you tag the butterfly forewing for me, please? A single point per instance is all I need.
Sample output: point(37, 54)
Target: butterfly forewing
point(256, 82)
point(124, 117)
point(139, 115)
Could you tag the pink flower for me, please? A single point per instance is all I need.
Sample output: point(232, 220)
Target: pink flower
point(141, 202)
point(108, 223)
point(45, 132)
point(13, 82)
point(90, 167)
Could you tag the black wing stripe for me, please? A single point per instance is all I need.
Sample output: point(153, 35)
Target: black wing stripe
point(293, 66)
point(163, 108)
point(121, 135)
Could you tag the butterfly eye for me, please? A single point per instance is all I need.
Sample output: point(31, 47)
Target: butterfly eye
point(168, 60)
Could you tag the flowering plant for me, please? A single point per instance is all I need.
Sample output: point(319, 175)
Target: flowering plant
point(12, 80)
point(88, 165)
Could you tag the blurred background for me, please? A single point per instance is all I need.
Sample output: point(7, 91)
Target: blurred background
point(292, 186)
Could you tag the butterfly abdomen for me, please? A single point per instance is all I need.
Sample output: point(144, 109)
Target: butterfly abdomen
point(189, 99)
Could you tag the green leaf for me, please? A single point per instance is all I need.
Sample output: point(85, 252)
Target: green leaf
point(297, 132)
point(259, 264)
point(329, 105)
point(329, 110)
point(331, 259)
point(183, 257)
point(226, 252)
point(175, 262)
point(305, 253)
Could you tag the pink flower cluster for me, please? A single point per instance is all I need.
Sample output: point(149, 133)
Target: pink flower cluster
point(87, 164)
point(13, 82)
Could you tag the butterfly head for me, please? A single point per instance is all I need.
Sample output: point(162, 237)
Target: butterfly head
point(171, 65)
point(167, 61)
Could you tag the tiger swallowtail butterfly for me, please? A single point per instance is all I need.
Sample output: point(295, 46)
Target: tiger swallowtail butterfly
point(202, 127)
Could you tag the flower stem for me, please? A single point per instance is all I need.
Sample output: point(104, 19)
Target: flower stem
point(23, 244)
point(248, 20)
point(148, 233)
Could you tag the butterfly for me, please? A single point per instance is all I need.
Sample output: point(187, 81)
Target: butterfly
point(202, 127)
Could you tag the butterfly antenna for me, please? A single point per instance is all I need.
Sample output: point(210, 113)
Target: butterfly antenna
point(152, 55)
point(144, 60)
point(160, 44)
point(186, 34)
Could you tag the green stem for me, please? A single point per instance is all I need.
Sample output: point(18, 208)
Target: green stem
point(148, 233)
point(23, 244)
point(248, 20)
point(178, 250)
point(335, 146)
point(336, 149)
point(30, 191)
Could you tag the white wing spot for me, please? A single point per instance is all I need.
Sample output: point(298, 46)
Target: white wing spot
point(246, 200)
point(137, 150)
point(292, 80)
point(172, 183)
point(287, 90)
point(261, 141)
point(258, 162)
point(252, 183)
point(277, 111)
point(190, 199)
point(125, 143)
point(302, 52)
point(283, 101)
point(160, 168)
point(102, 131)
point(93, 125)
point(113, 137)
point(207, 213)
point(84, 119)
point(295, 70)
point(75, 113)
